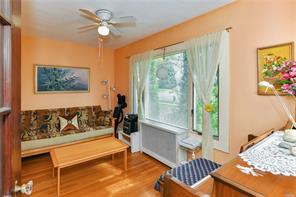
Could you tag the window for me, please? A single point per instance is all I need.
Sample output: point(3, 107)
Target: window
point(197, 110)
point(173, 100)
point(166, 100)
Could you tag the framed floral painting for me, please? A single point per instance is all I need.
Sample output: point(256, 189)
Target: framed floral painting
point(270, 59)
point(58, 79)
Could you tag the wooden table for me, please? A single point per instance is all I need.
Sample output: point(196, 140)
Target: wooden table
point(230, 181)
point(83, 152)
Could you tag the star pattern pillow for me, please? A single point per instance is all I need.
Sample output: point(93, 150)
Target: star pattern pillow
point(68, 122)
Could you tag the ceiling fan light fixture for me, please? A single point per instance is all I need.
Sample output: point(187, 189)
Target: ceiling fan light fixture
point(104, 21)
point(103, 30)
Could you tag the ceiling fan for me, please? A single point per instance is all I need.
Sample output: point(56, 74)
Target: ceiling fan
point(105, 22)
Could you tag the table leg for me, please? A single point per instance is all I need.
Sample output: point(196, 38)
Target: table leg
point(125, 159)
point(59, 180)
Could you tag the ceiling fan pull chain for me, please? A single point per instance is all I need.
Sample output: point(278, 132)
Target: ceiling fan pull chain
point(100, 43)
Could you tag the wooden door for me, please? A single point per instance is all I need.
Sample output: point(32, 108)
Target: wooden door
point(10, 76)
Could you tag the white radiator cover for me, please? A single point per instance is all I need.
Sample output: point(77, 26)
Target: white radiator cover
point(162, 142)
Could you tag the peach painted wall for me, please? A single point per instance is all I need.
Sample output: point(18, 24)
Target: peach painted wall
point(255, 24)
point(36, 50)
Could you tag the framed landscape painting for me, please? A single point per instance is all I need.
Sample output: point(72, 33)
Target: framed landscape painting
point(269, 60)
point(55, 79)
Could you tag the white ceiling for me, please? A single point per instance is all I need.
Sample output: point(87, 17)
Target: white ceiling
point(59, 19)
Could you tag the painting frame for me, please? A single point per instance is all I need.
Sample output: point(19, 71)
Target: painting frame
point(68, 68)
point(289, 46)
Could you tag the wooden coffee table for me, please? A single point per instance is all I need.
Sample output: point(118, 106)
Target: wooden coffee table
point(83, 152)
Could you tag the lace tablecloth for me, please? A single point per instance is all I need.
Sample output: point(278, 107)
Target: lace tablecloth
point(267, 156)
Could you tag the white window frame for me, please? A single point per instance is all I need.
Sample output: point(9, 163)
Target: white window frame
point(222, 142)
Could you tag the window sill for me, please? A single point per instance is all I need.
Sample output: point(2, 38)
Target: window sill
point(218, 144)
point(200, 134)
point(164, 127)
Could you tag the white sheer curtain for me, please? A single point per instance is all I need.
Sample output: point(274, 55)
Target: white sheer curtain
point(140, 65)
point(204, 56)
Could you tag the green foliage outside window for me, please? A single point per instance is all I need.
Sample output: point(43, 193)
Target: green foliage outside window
point(197, 124)
point(166, 100)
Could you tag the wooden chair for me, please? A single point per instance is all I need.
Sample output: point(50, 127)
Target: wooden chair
point(255, 140)
point(172, 187)
point(175, 188)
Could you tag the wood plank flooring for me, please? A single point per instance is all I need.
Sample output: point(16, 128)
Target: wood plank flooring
point(98, 178)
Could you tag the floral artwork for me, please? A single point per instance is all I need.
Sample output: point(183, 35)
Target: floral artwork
point(53, 79)
point(288, 77)
point(271, 65)
point(270, 60)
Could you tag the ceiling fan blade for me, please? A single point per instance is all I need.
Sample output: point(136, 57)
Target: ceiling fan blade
point(114, 30)
point(97, 20)
point(87, 29)
point(89, 13)
point(88, 26)
point(124, 19)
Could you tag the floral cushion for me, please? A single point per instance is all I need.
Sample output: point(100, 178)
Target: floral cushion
point(42, 124)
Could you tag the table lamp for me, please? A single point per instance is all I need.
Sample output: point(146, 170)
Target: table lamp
point(290, 134)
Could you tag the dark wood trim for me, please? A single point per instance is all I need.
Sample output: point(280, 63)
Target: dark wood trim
point(11, 145)
point(3, 20)
point(4, 111)
point(8, 129)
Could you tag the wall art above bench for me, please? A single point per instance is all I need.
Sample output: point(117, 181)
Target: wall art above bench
point(59, 79)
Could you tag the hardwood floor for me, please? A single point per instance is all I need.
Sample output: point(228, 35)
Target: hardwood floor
point(101, 177)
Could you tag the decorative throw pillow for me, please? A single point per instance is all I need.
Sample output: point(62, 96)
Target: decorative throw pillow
point(100, 118)
point(84, 118)
point(108, 119)
point(68, 122)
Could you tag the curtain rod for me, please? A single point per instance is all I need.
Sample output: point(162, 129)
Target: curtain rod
point(169, 45)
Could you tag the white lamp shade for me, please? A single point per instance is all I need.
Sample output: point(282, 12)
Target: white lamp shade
point(103, 30)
